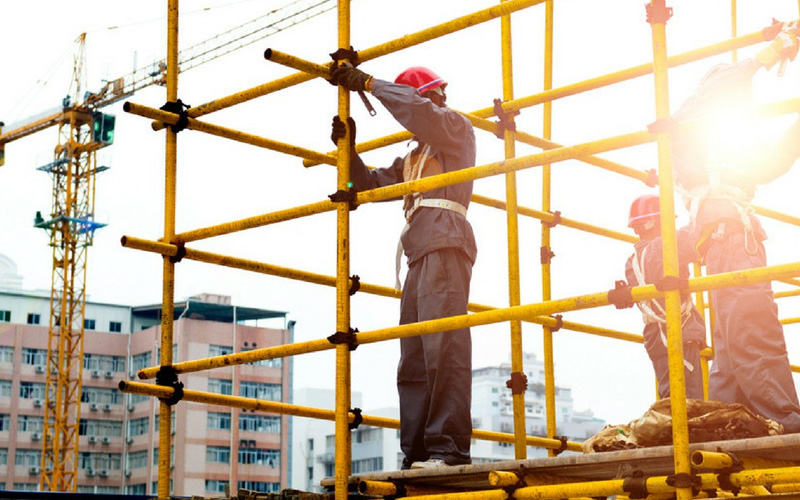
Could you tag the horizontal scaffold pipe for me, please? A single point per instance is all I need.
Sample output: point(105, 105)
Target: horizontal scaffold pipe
point(425, 184)
point(658, 485)
point(522, 313)
point(390, 47)
point(166, 392)
point(228, 133)
point(626, 74)
point(169, 250)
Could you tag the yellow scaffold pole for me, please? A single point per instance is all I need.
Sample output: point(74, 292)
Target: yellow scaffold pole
point(518, 382)
point(343, 442)
point(657, 15)
point(545, 251)
point(168, 288)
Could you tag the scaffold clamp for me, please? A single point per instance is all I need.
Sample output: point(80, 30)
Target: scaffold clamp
point(518, 383)
point(167, 376)
point(559, 323)
point(556, 219)
point(180, 253)
point(683, 480)
point(357, 419)
point(180, 109)
point(652, 178)
point(563, 446)
point(620, 296)
point(355, 284)
point(506, 119)
point(348, 338)
point(348, 196)
point(658, 13)
point(546, 255)
point(635, 485)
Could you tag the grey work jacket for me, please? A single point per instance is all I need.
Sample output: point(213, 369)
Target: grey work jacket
point(452, 141)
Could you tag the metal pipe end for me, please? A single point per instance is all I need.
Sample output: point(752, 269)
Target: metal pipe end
point(268, 54)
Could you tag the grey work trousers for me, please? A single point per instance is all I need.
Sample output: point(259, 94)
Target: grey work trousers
point(751, 366)
point(434, 377)
point(658, 355)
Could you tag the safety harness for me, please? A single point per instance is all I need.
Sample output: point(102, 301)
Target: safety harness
point(652, 310)
point(414, 168)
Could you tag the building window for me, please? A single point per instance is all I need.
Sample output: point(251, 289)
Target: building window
point(140, 361)
point(88, 324)
point(34, 356)
point(137, 459)
point(138, 426)
point(100, 428)
point(103, 363)
point(220, 386)
point(26, 486)
point(216, 485)
point(30, 423)
point(5, 422)
point(257, 390)
point(5, 388)
point(260, 456)
point(5, 316)
point(218, 454)
point(259, 486)
point(259, 423)
point(28, 457)
point(6, 354)
point(219, 350)
point(101, 395)
point(136, 489)
point(31, 390)
point(3, 456)
point(114, 326)
point(367, 434)
point(34, 319)
point(367, 465)
point(220, 420)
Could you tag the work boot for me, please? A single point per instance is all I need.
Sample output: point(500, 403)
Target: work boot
point(431, 463)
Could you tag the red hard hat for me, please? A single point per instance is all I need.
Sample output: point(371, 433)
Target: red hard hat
point(420, 78)
point(644, 208)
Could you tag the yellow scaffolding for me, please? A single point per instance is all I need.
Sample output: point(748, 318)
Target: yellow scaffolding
point(173, 248)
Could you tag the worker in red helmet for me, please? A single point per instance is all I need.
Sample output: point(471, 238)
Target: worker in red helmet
point(718, 179)
point(434, 376)
point(646, 266)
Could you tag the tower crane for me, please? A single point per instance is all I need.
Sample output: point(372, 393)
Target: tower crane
point(82, 130)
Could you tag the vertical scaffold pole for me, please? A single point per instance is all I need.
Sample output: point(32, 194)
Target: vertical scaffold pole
point(518, 387)
point(168, 285)
point(546, 254)
point(657, 15)
point(342, 438)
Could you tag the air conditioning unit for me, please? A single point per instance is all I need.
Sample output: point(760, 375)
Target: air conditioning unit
point(90, 472)
point(39, 368)
point(131, 407)
point(95, 373)
point(129, 440)
point(127, 473)
point(106, 407)
point(34, 470)
point(36, 436)
point(104, 473)
point(109, 374)
point(37, 403)
point(92, 439)
point(106, 439)
point(93, 407)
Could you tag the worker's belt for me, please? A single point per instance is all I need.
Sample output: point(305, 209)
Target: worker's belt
point(425, 202)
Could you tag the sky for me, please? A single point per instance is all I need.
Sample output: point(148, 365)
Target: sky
point(220, 181)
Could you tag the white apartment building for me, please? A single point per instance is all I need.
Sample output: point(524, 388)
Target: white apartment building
point(213, 447)
point(377, 449)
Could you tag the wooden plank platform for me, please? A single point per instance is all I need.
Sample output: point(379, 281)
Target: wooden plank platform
point(579, 467)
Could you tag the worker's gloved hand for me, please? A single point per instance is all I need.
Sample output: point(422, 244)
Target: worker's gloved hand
point(338, 130)
point(350, 78)
point(783, 48)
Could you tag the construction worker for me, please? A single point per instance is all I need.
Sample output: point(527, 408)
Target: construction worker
point(718, 179)
point(646, 266)
point(434, 377)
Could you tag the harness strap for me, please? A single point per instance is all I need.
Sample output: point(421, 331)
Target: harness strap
point(425, 202)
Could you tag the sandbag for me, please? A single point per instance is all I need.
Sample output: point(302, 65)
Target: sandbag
point(707, 421)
